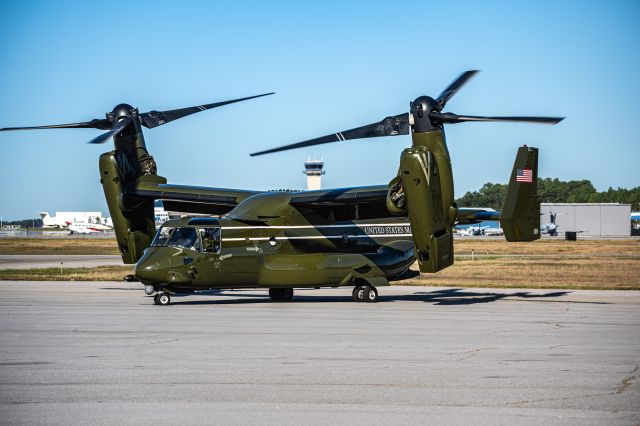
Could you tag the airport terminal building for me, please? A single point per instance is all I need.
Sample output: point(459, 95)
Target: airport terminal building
point(589, 219)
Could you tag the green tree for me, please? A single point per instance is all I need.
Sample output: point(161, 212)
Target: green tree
point(553, 191)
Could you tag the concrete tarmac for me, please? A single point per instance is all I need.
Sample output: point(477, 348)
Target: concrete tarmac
point(29, 261)
point(103, 353)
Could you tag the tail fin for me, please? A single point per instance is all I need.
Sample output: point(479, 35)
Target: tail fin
point(520, 216)
point(44, 214)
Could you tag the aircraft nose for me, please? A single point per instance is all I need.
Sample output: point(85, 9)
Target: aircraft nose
point(146, 273)
point(148, 269)
point(161, 265)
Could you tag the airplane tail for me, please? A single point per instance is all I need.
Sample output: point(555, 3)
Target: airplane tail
point(47, 221)
point(520, 216)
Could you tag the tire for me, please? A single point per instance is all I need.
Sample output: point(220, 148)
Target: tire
point(358, 294)
point(281, 293)
point(370, 294)
point(275, 293)
point(287, 293)
point(163, 298)
point(155, 299)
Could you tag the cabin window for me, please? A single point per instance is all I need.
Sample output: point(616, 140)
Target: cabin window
point(210, 240)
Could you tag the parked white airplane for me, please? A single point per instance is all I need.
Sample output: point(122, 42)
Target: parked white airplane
point(550, 228)
point(492, 232)
point(87, 228)
point(470, 231)
point(73, 227)
point(479, 230)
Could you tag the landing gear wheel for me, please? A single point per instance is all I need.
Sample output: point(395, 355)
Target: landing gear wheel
point(162, 298)
point(281, 293)
point(275, 293)
point(155, 299)
point(370, 294)
point(287, 293)
point(358, 294)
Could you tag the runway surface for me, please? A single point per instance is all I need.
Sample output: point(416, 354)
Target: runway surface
point(102, 353)
point(28, 261)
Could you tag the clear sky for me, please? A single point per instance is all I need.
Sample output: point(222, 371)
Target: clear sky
point(334, 66)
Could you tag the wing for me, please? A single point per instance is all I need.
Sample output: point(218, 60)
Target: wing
point(372, 203)
point(190, 199)
point(365, 202)
point(340, 196)
point(342, 204)
point(470, 215)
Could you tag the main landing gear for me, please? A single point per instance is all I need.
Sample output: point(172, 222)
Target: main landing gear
point(365, 293)
point(162, 298)
point(281, 293)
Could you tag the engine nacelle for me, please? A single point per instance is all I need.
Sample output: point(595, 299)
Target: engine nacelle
point(432, 234)
point(133, 220)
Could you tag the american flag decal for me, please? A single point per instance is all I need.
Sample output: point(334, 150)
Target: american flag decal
point(524, 175)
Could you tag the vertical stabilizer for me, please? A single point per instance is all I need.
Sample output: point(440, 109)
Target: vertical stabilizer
point(520, 216)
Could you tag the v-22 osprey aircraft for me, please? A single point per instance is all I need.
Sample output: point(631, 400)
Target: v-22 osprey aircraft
point(363, 237)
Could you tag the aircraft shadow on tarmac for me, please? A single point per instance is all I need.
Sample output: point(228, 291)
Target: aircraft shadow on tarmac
point(450, 296)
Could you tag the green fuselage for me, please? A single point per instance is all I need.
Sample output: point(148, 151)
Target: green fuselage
point(271, 255)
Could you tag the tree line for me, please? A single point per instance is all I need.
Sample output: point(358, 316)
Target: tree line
point(553, 191)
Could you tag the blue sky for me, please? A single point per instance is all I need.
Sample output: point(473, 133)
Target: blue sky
point(334, 66)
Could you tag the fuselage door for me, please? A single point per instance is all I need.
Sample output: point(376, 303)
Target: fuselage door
point(239, 258)
point(210, 263)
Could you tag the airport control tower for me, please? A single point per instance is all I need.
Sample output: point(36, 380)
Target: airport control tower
point(314, 172)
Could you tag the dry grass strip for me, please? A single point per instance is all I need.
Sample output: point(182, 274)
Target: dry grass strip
point(74, 246)
point(99, 273)
point(594, 274)
point(619, 271)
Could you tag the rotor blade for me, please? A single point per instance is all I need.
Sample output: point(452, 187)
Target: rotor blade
point(454, 87)
point(153, 119)
point(390, 126)
point(93, 124)
point(120, 125)
point(450, 118)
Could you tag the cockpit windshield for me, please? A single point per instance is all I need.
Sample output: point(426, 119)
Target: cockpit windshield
point(181, 237)
point(185, 238)
point(162, 236)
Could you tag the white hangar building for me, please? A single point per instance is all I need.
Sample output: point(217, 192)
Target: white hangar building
point(589, 219)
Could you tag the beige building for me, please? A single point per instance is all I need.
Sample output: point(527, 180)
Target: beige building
point(314, 172)
point(589, 219)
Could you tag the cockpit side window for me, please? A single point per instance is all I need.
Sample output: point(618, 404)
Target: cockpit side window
point(210, 239)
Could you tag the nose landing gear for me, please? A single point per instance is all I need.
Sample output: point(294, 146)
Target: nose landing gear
point(162, 298)
point(365, 293)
